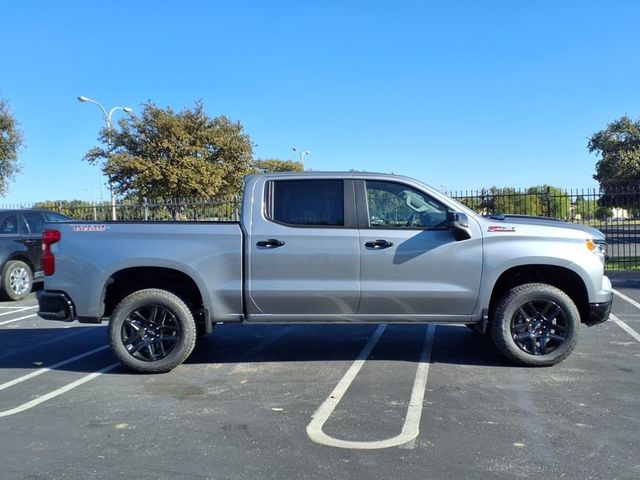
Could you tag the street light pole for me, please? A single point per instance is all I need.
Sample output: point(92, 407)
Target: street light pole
point(107, 120)
point(301, 154)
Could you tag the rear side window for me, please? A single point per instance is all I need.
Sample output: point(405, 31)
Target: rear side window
point(35, 221)
point(9, 225)
point(307, 202)
point(54, 217)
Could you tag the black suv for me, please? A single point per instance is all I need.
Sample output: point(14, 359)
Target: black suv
point(21, 249)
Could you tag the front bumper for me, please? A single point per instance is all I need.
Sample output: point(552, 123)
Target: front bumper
point(599, 312)
point(55, 306)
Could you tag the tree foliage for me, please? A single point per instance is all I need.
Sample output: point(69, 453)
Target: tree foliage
point(273, 165)
point(72, 208)
point(618, 147)
point(543, 200)
point(165, 154)
point(10, 142)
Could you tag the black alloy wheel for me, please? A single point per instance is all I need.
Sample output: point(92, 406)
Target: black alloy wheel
point(539, 327)
point(150, 333)
point(535, 324)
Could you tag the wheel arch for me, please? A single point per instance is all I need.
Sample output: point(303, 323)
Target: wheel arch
point(20, 257)
point(128, 280)
point(562, 278)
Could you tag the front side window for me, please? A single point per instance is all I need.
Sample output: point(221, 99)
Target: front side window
point(307, 202)
point(393, 205)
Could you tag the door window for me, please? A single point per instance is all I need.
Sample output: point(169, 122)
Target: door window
point(307, 202)
point(54, 217)
point(393, 205)
point(9, 225)
point(35, 222)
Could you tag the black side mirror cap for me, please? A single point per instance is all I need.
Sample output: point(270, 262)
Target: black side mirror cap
point(459, 223)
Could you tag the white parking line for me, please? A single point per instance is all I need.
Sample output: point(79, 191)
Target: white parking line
point(18, 319)
point(52, 367)
point(78, 331)
point(17, 310)
point(58, 392)
point(624, 297)
point(623, 325)
point(411, 426)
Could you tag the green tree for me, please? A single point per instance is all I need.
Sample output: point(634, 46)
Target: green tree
point(10, 142)
point(273, 165)
point(585, 209)
point(618, 147)
point(537, 201)
point(164, 154)
point(79, 209)
point(603, 213)
point(552, 201)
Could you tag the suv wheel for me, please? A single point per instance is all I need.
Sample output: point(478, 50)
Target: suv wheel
point(17, 280)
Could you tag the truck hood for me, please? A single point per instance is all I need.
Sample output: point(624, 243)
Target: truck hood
point(523, 220)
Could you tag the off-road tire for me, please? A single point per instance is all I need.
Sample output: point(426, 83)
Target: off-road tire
point(136, 333)
point(509, 324)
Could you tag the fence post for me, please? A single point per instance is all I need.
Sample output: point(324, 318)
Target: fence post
point(547, 196)
point(146, 208)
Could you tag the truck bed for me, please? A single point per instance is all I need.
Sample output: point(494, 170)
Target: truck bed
point(91, 253)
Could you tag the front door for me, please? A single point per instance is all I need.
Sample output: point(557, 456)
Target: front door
point(412, 267)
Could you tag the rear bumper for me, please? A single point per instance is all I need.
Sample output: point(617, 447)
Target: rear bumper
point(599, 312)
point(55, 306)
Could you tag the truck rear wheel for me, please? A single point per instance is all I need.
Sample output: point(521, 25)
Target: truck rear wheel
point(152, 331)
point(535, 324)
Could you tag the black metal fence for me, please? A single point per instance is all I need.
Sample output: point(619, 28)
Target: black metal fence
point(617, 214)
point(217, 209)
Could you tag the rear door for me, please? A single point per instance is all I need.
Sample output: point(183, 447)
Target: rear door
point(412, 267)
point(304, 254)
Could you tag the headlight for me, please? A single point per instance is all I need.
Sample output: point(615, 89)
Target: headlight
point(599, 247)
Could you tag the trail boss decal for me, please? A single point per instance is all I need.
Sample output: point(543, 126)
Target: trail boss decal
point(89, 228)
point(499, 229)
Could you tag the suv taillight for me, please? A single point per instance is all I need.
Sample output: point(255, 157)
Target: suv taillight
point(49, 237)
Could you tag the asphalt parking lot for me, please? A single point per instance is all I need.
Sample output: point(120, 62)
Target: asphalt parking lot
point(320, 402)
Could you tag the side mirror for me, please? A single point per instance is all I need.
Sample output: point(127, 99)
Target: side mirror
point(459, 223)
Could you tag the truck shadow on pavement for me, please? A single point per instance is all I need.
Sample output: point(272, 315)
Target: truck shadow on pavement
point(230, 344)
point(327, 343)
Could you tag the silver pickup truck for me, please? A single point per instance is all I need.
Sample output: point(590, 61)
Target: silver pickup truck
point(329, 247)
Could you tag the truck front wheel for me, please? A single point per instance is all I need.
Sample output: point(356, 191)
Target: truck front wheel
point(535, 324)
point(152, 331)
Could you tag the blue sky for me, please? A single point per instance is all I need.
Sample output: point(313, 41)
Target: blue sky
point(461, 95)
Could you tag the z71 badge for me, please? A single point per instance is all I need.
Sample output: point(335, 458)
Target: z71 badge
point(499, 229)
